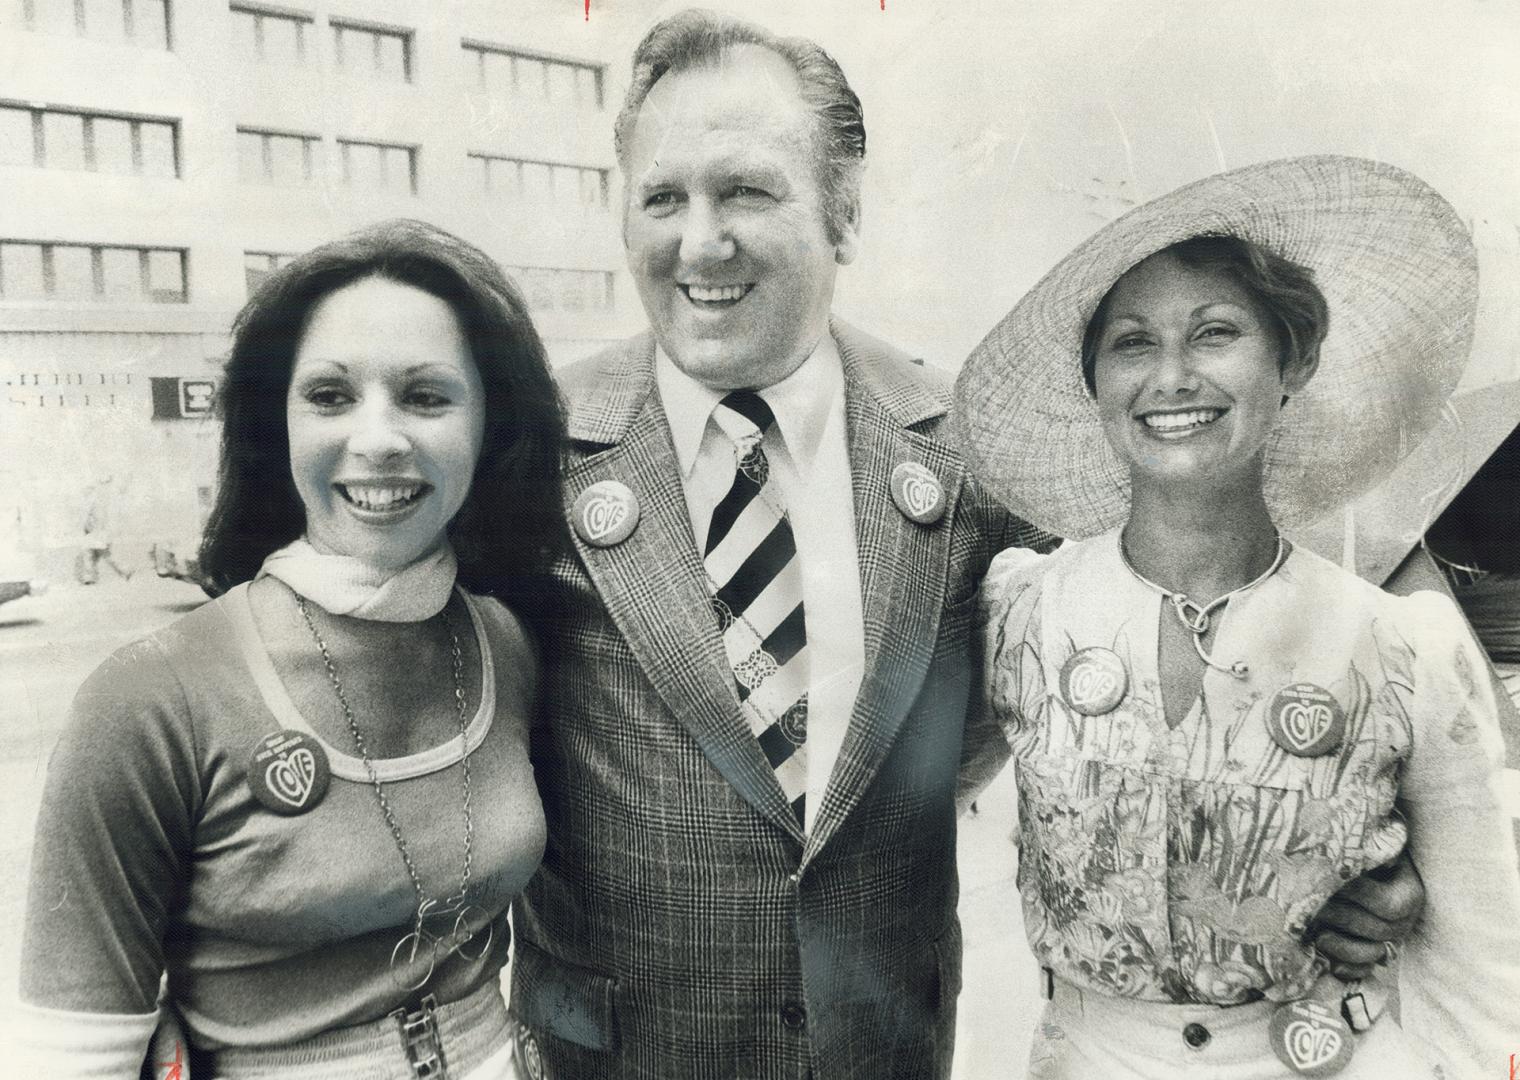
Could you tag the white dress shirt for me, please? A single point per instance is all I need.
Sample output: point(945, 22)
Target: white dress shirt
point(809, 457)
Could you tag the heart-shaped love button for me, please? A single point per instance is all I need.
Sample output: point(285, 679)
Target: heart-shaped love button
point(288, 772)
point(1310, 1038)
point(605, 514)
point(1306, 720)
point(918, 493)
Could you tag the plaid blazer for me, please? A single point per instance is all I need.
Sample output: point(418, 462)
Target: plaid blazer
point(682, 925)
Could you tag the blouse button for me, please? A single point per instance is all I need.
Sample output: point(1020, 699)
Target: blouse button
point(1196, 1035)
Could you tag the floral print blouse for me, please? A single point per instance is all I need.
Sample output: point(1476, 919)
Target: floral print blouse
point(1183, 864)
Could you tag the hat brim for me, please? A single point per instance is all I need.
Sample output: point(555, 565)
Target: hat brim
point(1397, 268)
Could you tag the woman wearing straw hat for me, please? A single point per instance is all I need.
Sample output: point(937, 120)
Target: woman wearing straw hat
point(1211, 726)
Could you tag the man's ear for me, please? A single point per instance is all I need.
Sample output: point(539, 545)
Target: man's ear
point(848, 245)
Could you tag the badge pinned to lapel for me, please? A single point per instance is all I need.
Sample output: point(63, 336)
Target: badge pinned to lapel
point(918, 493)
point(606, 513)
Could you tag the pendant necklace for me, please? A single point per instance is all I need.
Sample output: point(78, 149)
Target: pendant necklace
point(417, 953)
point(1195, 617)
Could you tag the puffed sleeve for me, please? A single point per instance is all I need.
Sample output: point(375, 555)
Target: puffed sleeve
point(113, 838)
point(1459, 980)
point(1005, 607)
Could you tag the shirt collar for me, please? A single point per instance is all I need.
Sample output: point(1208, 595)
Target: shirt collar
point(801, 403)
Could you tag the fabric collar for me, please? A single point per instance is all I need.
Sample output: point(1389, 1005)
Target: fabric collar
point(801, 403)
point(344, 585)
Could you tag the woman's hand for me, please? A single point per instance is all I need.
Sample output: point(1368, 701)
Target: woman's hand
point(1356, 926)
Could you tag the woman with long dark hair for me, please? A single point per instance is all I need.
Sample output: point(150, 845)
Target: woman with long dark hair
point(307, 805)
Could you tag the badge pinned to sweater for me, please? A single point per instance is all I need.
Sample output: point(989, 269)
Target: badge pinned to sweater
point(288, 772)
point(1093, 681)
point(1306, 720)
point(1310, 1038)
point(918, 493)
point(605, 514)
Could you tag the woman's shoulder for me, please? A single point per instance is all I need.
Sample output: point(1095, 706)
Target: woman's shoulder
point(1414, 613)
point(151, 664)
point(512, 651)
point(1015, 570)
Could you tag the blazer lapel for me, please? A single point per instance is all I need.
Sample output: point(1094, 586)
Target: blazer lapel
point(903, 565)
point(653, 583)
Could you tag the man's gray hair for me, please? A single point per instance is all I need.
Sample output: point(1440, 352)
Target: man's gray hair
point(699, 38)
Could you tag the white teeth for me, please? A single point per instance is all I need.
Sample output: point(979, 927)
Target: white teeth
point(382, 498)
point(710, 293)
point(1179, 420)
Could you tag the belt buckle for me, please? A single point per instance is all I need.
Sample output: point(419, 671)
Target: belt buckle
point(420, 1040)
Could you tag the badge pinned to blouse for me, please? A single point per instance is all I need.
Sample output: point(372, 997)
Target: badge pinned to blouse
point(1306, 720)
point(288, 772)
point(1310, 1038)
point(1093, 681)
point(605, 514)
point(918, 493)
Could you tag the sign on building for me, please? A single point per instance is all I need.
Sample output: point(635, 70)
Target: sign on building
point(176, 398)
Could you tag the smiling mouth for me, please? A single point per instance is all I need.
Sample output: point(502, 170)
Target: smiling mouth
point(1179, 423)
point(715, 295)
point(380, 498)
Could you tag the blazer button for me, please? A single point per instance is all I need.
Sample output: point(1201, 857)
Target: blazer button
point(794, 879)
point(1196, 1035)
point(793, 1016)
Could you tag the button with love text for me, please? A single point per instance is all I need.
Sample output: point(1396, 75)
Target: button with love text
point(918, 493)
point(288, 772)
point(1309, 1038)
point(605, 513)
point(1093, 681)
point(1306, 720)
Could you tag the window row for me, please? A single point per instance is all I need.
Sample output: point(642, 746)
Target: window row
point(31, 270)
point(542, 183)
point(146, 23)
point(91, 272)
point(545, 288)
point(287, 160)
point(551, 289)
point(62, 139)
point(523, 75)
point(277, 37)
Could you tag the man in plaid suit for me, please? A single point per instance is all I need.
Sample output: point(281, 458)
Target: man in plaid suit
point(734, 889)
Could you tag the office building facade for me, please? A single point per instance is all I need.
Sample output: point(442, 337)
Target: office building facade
point(160, 157)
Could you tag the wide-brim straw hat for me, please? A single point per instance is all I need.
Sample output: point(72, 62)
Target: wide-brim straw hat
point(1397, 268)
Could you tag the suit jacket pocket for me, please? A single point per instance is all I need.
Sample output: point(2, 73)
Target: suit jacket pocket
point(947, 954)
point(567, 1000)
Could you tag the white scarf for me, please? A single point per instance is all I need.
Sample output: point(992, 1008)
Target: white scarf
point(344, 585)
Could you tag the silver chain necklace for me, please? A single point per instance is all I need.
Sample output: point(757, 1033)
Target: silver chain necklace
point(421, 944)
point(1195, 617)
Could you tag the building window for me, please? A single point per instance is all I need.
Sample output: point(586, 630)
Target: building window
point(270, 37)
point(91, 273)
point(146, 23)
point(507, 72)
point(98, 142)
point(258, 265)
point(542, 183)
point(278, 158)
point(372, 166)
point(551, 289)
point(373, 53)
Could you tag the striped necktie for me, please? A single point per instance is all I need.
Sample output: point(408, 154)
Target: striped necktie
point(756, 581)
